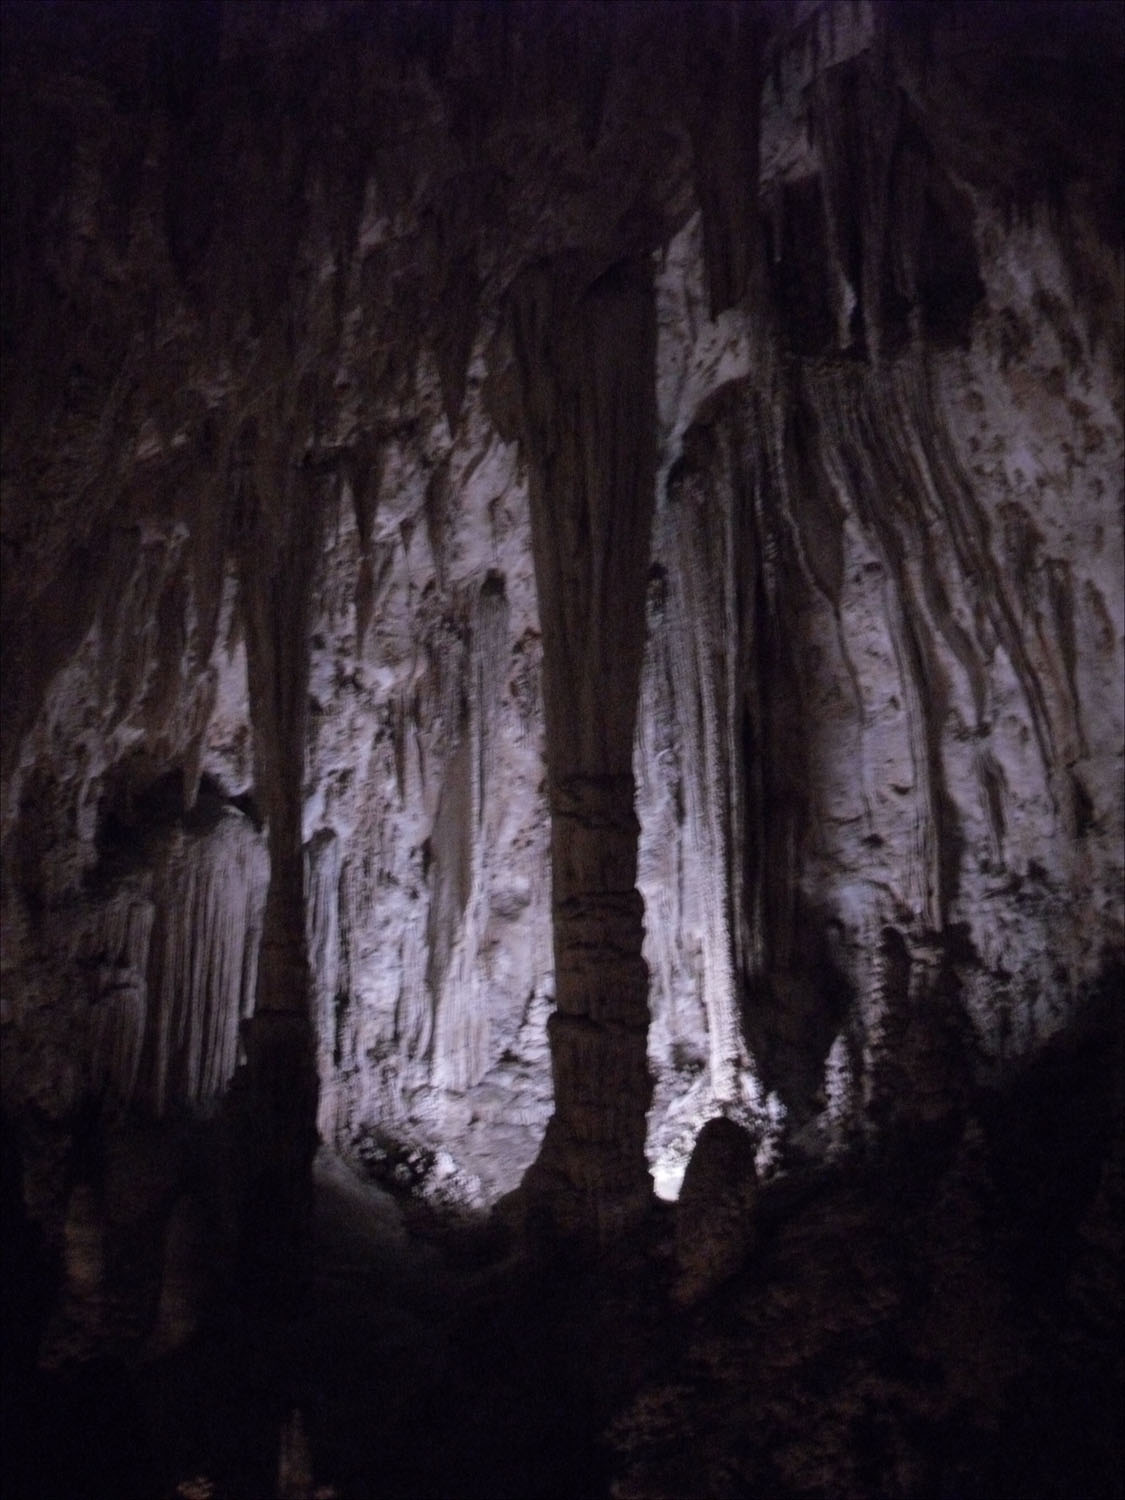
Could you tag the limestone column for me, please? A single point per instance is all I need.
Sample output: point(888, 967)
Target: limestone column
point(279, 1099)
point(585, 357)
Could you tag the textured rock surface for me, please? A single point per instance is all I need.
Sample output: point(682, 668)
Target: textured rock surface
point(881, 725)
point(585, 361)
point(500, 500)
point(715, 1228)
point(907, 1329)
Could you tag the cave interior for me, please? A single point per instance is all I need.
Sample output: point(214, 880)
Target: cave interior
point(562, 735)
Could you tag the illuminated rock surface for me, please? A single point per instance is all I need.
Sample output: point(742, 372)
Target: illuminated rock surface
point(563, 578)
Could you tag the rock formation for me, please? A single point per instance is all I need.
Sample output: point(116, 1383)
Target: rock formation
point(563, 579)
point(715, 1222)
point(589, 421)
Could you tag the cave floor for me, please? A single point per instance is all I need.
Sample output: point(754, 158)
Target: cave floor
point(934, 1322)
point(424, 1364)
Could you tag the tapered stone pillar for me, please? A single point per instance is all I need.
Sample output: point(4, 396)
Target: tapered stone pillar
point(585, 355)
point(279, 1085)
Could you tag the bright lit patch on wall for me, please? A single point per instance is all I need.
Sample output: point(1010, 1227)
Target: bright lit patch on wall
point(668, 1178)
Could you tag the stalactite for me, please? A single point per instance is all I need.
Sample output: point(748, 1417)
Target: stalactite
point(451, 859)
point(120, 946)
point(700, 558)
point(462, 1036)
point(724, 132)
point(414, 1017)
point(658, 770)
point(490, 656)
point(322, 884)
point(209, 894)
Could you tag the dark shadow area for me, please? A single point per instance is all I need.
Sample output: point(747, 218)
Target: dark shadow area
point(937, 1316)
point(792, 1017)
point(142, 807)
point(425, 1360)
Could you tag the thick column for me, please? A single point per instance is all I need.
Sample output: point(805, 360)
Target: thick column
point(279, 1087)
point(585, 357)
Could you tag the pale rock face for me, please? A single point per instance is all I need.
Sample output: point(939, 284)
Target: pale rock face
point(425, 825)
point(275, 617)
point(883, 646)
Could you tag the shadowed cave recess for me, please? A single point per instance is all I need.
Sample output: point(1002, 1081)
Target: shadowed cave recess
point(562, 734)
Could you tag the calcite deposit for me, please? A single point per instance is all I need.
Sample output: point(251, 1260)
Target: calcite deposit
point(562, 578)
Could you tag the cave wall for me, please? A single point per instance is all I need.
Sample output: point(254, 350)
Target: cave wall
point(305, 470)
point(881, 724)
